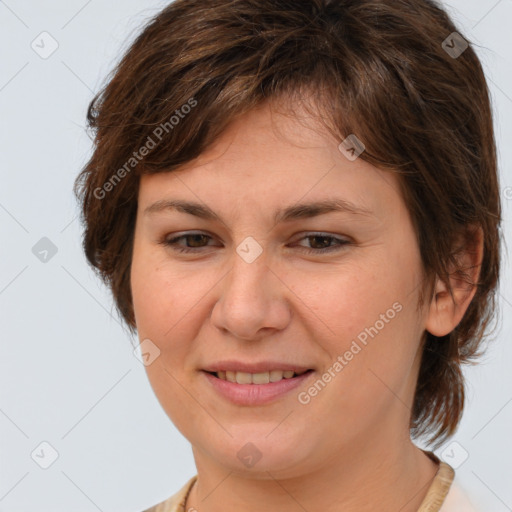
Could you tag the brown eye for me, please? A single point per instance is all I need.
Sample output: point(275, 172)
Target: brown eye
point(195, 240)
point(192, 241)
point(322, 243)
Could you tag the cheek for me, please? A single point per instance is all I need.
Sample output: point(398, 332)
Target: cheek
point(171, 305)
point(162, 303)
point(343, 301)
point(161, 295)
point(367, 315)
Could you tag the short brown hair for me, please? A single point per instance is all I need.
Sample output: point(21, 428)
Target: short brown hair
point(379, 69)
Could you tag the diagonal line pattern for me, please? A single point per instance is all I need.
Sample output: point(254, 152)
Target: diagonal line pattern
point(13, 77)
point(76, 14)
point(501, 409)
point(81, 491)
point(90, 295)
point(280, 423)
point(13, 279)
point(87, 413)
point(77, 76)
point(15, 485)
point(14, 14)
point(416, 493)
point(68, 224)
point(487, 13)
point(14, 423)
point(499, 89)
point(287, 492)
point(396, 396)
point(508, 508)
point(217, 486)
point(12, 216)
point(505, 299)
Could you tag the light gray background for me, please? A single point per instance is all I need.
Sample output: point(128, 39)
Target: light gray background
point(68, 375)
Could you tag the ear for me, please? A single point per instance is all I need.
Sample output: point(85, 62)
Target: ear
point(446, 313)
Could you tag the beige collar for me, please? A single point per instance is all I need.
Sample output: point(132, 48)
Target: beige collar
point(432, 502)
point(439, 487)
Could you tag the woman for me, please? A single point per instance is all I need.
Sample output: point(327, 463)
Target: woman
point(296, 207)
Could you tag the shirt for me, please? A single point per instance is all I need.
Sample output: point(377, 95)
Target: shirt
point(443, 495)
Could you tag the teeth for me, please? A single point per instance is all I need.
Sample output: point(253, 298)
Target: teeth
point(256, 378)
point(260, 378)
point(243, 378)
point(276, 375)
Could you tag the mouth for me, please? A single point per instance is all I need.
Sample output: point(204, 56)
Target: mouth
point(256, 388)
point(259, 378)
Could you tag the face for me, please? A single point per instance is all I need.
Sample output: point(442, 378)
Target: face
point(261, 287)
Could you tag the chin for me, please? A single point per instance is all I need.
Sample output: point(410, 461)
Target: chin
point(257, 452)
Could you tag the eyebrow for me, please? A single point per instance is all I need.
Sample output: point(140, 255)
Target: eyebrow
point(298, 211)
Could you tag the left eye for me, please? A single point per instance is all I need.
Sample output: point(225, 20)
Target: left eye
point(325, 241)
point(195, 241)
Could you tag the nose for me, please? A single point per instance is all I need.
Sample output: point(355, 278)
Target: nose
point(253, 301)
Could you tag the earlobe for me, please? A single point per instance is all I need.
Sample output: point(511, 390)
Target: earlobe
point(445, 311)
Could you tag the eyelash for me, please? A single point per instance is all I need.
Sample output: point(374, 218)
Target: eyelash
point(172, 243)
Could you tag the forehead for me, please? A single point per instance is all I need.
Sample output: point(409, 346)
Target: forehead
point(265, 159)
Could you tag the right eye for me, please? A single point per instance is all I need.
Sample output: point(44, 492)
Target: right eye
point(194, 239)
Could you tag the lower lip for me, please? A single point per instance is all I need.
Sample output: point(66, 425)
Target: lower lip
point(255, 394)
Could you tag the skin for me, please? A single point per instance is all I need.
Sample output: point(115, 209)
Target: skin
point(349, 448)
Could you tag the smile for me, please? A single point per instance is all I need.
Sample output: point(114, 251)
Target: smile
point(252, 389)
point(257, 378)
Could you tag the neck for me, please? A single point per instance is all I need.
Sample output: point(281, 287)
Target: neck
point(385, 473)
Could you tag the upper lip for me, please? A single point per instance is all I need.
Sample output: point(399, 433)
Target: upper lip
point(255, 367)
